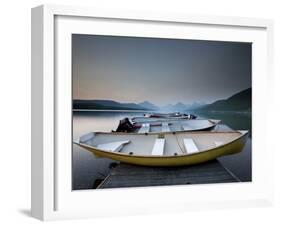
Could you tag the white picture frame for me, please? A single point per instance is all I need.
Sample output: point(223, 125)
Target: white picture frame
point(52, 197)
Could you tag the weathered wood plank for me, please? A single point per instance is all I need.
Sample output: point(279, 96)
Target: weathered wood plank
point(125, 175)
point(158, 148)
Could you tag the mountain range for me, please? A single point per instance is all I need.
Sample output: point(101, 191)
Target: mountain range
point(241, 101)
point(181, 106)
point(238, 102)
point(146, 105)
point(106, 105)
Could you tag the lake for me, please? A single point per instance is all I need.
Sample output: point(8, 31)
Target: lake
point(87, 170)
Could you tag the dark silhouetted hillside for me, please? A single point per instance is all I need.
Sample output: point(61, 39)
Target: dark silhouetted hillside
point(241, 101)
point(105, 105)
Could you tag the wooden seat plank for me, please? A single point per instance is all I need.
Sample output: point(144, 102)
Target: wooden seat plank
point(190, 146)
point(158, 148)
point(113, 146)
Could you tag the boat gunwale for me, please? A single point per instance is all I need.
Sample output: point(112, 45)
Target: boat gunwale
point(242, 132)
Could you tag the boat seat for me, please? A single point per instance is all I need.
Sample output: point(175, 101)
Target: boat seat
point(190, 146)
point(113, 146)
point(218, 143)
point(165, 127)
point(144, 128)
point(158, 148)
point(186, 128)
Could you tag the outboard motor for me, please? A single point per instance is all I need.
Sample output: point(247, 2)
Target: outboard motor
point(191, 116)
point(125, 126)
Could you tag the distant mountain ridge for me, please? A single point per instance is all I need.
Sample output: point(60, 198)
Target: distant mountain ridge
point(148, 105)
point(181, 106)
point(145, 105)
point(105, 105)
point(241, 101)
point(174, 107)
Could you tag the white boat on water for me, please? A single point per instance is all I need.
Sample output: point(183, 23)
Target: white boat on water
point(158, 125)
point(170, 115)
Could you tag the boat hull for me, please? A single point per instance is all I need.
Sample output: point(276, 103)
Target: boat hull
point(233, 147)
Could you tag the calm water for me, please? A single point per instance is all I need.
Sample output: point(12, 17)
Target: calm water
point(87, 168)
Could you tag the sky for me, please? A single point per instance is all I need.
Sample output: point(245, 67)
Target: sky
point(162, 71)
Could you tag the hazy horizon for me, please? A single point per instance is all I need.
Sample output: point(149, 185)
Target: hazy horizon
point(198, 102)
point(161, 71)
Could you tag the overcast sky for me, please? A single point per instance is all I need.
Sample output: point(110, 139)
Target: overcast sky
point(162, 71)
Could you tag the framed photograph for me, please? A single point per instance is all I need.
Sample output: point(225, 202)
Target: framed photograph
point(137, 112)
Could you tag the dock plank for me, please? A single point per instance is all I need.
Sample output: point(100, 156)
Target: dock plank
point(126, 175)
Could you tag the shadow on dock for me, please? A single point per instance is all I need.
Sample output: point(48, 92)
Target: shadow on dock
point(125, 175)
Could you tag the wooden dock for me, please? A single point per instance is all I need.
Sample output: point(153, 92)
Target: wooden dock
point(125, 175)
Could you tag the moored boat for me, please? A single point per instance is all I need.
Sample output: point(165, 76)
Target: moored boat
point(168, 149)
point(170, 115)
point(148, 119)
point(156, 125)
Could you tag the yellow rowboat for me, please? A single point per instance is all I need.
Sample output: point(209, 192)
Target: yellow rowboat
point(167, 149)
